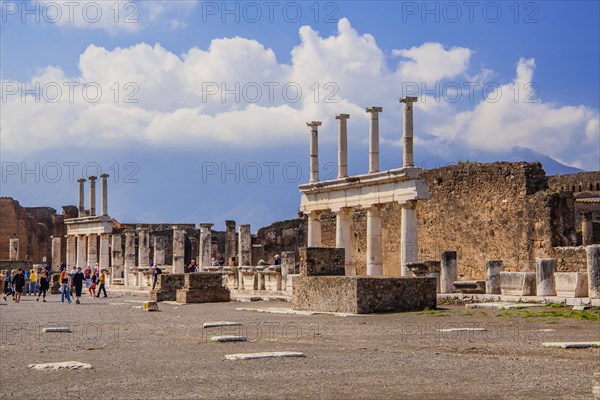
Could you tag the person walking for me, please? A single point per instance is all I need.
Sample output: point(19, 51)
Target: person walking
point(44, 284)
point(64, 286)
point(156, 271)
point(78, 279)
point(19, 283)
point(8, 284)
point(101, 286)
point(32, 282)
point(92, 287)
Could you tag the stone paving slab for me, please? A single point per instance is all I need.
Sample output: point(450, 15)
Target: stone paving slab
point(570, 301)
point(229, 338)
point(571, 345)
point(503, 305)
point(215, 324)
point(269, 354)
point(73, 365)
point(284, 310)
point(462, 330)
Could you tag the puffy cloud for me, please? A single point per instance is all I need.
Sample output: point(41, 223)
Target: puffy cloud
point(430, 62)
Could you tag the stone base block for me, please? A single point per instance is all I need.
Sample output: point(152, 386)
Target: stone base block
point(362, 294)
point(272, 281)
point(317, 261)
point(163, 295)
point(231, 280)
point(249, 280)
point(469, 287)
point(517, 283)
point(571, 284)
point(203, 280)
point(216, 295)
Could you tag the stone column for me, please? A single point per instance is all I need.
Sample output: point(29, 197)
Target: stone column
point(374, 139)
point(104, 203)
point(71, 250)
point(143, 247)
point(314, 150)
point(245, 246)
point(374, 242)
point(178, 250)
point(117, 256)
point(92, 250)
point(81, 182)
point(104, 251)
point(587, 229)
point(159, 250)
point(129, 255)
point(56, 252)
point(205, 245)
point(449, 271)
point(13, 250)
point(92, 195)
point(492, 276)
point(342, 145)
point(314, 229)
point(343, 237)
point(408, 131)
point(288, 266)
point(81, 251)
point(408, 237)
point(230, 239)
point(593, 268)
point(544, 276)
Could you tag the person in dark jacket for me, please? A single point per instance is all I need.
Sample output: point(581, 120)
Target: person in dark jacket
point(19, 283)
point(78, 279)
point(156, 271)
point(44, 285)
point(8, 284)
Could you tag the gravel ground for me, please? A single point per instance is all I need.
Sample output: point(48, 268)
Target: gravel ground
point(167, 354)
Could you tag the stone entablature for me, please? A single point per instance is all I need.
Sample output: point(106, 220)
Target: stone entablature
point(89, 225)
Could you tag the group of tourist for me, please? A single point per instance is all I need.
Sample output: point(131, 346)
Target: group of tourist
point(19, 282)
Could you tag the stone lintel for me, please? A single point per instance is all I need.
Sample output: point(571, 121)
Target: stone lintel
point(408, 99)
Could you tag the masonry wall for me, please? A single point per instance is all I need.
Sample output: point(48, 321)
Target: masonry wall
point(280, 236)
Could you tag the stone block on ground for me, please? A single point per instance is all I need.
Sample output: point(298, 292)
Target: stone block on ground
point(214, 295)
point(150, 306)
point(228, 338)
point(571, 284)
point(571, 345)
point(469, 287)
point(270, 354)
point(214, 324)
point(517, 283)
point(319, 261)
point(72, 365)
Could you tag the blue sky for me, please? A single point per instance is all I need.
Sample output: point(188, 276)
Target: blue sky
point(503, 81)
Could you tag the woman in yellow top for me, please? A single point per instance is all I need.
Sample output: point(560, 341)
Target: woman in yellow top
point(32, 282)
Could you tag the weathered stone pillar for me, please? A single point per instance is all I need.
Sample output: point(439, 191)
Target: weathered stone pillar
point(71, 250)
point(92, 250)
point(374, 139)
point(342, 145)
point(81, 182)
point(129, 255)
point(13, 250)
point(408, 131)
point(159, 250)
point(343, 237)
point(492, 276)
point(105, 251)
point(593, 268)
point(92, 195)
point(544, 276)
point(56, 252)
point(117, 256)
point(143, 247)
point(408, 237)
point(587, 229)
point(178, 250)
point(245, 246)
point(104, 202)
point(205, 245)
point(314, 229)
point(374, 242)
point(449, 271)
point(314, 150)
point(81, 251)
point(230, 240)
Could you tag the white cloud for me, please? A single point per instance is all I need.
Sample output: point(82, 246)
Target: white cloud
point(430, 62)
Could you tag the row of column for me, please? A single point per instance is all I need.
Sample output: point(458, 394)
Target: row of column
point(244, 247)
point(82, 250)
point(104, 200)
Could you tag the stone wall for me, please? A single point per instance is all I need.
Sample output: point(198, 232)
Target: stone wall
point(280, 236)
point(581, 182)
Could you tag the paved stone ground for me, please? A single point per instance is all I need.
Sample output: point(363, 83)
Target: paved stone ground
point(167, 354)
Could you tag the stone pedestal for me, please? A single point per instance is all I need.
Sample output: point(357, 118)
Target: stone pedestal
point(571, 284)
point(231, 278)
point(593, 270)
point(202, 287)
point(517, 283)
point(56, 251)
point(318, 261)
point(492, 276)
point(248, 279)
point(271, 280)
point(449, 271)
point(178, 250)
point(544, 276)
point(166, 287)
point(245, 246)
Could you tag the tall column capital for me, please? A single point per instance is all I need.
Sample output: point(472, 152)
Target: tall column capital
point(314, 125)
point(342, 117)
point(81, 180)
point(374, 111)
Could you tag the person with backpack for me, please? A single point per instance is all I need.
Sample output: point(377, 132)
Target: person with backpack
point(19, 284)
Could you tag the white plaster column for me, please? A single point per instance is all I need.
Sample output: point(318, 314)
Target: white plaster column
point(13, 250)
point(314, 150)
point(81, 251)
point(245, 246)
point(117, 256)
point(104, 251)
point(408, 237)
point(178, 250)
point(92, 195)
point(92, 250)
point(56, 252)
point(129, 255)
point(104, 202)
point(314, 229)
point(374, 242)
point(205, 246)
point(143, 247)
point(81, 182)
point(342, 145)
point(343, 238)
point(71, 250)
point(408, 134)
point(374, 139)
